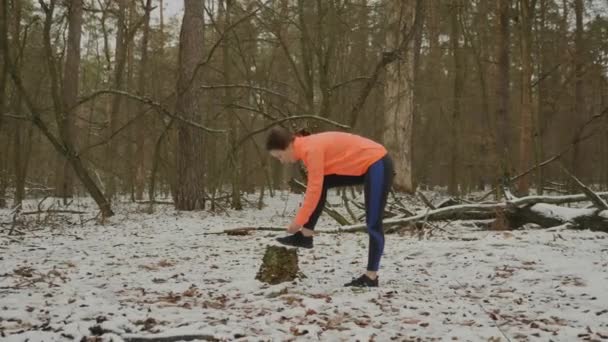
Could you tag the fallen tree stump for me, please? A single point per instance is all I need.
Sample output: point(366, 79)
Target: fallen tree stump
point(280, 264)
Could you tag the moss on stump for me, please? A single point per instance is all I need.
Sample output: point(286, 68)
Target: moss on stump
point(280, 264)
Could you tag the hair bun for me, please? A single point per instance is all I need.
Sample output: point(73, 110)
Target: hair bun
point(302, 132)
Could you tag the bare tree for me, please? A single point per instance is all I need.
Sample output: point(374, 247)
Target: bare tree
point(226, 9)
point(526, 13)
point(3, 82)
point(502, 79)
point(455, 122)
point(118, 84)
point(543, 109)
point(399, 93)
point(141, 87)
point(71, 72)
point(61, 143)
point(189, 188)
point(579, 64)
point(22, 130)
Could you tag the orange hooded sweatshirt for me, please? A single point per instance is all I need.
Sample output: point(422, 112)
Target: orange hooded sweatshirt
point(332, 153)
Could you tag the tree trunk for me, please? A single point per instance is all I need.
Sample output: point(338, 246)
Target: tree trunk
point(114, 115)
point(526, 12)
point(399, 94)
point(487, 152)
point(19, 159)
point(131, 106)
point(418, 155)
point(140, 177)
point(579, 107)
point(502, 88)
point(455, 123)
point(430, 123)
point(307, 55)
point(232, 114)
point(604, 104)
point(543, 95)
point(3, 81)
point(326, 31)
point(189, 193)
point(71, 72)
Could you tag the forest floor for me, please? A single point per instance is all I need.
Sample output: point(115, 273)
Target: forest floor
point(140, 275)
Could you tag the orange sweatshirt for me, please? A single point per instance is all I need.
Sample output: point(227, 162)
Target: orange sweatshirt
point(332, 153)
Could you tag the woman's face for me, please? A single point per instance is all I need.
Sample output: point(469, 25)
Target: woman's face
point(285, 156)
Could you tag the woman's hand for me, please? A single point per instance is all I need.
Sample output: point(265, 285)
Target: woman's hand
point(294, 228)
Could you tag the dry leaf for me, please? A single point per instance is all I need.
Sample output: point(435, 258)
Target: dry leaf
point(411, 321)
point(310, 312)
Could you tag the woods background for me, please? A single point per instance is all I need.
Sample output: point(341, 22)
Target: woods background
point(111, 97)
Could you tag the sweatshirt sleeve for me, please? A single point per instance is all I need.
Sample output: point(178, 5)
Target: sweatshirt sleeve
point(315, 166)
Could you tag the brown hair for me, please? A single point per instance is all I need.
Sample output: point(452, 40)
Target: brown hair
point(279, 138)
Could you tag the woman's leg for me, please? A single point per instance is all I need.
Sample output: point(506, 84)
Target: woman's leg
point(304, 237)
point(330, 181)
point(378, 182)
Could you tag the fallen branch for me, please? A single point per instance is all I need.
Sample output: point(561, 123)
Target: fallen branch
point(9, 238)
point(593, 197)
point(155, 202)
point(191, 337)
point(53, 211)
point(246, 230)
point(425, 200)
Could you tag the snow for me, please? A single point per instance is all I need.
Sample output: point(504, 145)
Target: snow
point(159, 274)
point(563, 213)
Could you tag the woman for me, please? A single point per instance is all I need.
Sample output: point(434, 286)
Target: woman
point(335, 159)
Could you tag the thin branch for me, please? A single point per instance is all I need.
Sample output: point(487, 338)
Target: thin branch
point(387, 58)
point(218, 42)
point(291, 118)
point(578, 139)
point(148, 101)
point(246, 86)
point(251, 109)
point(115, 133)
point(17, 117)
point(425, 200)
point(356, 79)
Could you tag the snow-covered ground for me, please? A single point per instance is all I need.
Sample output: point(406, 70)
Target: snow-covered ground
point(141, 275)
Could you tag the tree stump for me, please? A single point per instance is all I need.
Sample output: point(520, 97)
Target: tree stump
point(280, 264)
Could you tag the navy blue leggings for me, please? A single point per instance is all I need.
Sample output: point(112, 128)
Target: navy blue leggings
point(377, 183)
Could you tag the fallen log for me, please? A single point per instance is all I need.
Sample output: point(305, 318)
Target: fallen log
point(548, 215)
point(458, 212)
point(519, 211)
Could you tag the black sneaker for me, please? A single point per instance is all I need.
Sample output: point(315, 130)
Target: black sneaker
point(296, 240)
point(363, 281)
